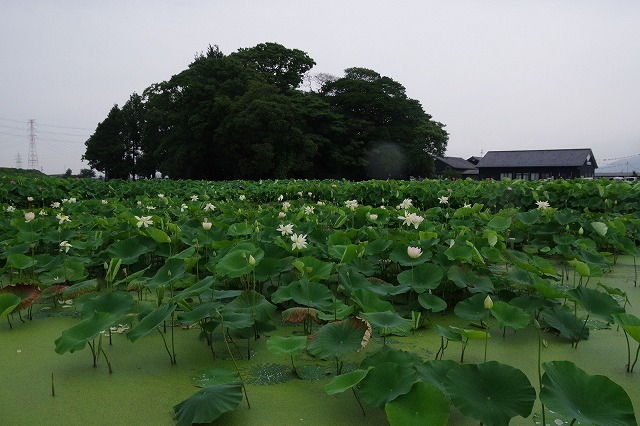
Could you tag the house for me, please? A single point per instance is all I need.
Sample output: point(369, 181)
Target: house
point(445, 165)
point(538, 164)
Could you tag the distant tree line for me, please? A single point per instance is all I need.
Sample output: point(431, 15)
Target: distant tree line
point(259, 114)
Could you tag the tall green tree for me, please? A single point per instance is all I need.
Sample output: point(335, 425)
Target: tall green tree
point(386, 134)
point(107, 150)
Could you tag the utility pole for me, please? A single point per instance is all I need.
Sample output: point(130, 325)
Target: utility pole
point(18, 161)
point(33, 154)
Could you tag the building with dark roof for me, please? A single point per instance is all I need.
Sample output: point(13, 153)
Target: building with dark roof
point(538, 164)
point(455, 164)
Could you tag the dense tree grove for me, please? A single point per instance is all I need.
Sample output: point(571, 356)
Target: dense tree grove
point(244, 116)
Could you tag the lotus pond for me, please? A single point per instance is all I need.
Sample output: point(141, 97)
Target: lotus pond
point(319, 302)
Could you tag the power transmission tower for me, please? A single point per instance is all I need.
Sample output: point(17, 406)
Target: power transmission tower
point(33, 154)
point(18, 161)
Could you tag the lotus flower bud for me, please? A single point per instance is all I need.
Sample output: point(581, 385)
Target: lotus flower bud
point(581, 231)
point(414, 252)
point(488, 303)
point(252, 260)
point(206, 225)
point(28, 217)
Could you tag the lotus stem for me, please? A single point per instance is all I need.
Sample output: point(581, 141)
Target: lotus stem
point(164, 340)
point(636, 359)
point(635, 270)
point(626, 336)
point(359, 403)
point(235, 364)
point(173, 341)
point(537, 324)
point(107, 359)
point(53, 388)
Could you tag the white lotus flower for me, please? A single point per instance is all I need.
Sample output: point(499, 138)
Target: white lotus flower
point(143, 221)
point(209, 207)
point(29, 216)
point(543, 205)
point(443, 200)
point(65, 246)
point(299, 241)
point(206, 225)
point(414, 252)
point(62, 218)
point(352, 204)
point(286, 229)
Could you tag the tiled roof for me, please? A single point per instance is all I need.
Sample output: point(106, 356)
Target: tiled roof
point(537, 158)
point(457, 163)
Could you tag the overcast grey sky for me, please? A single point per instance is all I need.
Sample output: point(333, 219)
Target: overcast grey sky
point(500, 74)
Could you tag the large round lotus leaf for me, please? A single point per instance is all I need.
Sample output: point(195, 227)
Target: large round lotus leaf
point(472, 308)
point(566, 323)
point(432, 302)
point(435, 371)
point(388, 323)
point(172, 269)
point(195, 289)
point(337, 339)
point(630, 324)
point(20, 261)
point(312, 268)
point(345, 381)
point(80, 288)
point(8, 303)
point(386, 382)
point(215, 376)
point(254, 303)
point(369, 301)
point(290, 345)
point(235, 263)
point(530, 217)
point(130, 250)
point(208, 404)
point(421, 278)
point(395, 356)
point(464, 277)
point(76, 337)
point(149, 323)
point(114, 302)
point(569, 391)
point(424, 404)
point(492, 393)
point(509, 315)
point(499, 223)
point(311, 293)
point(596, 302)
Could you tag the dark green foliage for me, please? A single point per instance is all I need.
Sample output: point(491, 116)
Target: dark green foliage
point(242, 116)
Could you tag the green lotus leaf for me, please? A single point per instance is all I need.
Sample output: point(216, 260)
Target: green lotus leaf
point(208, 404)
point(387, 323)
point(566, 216)
point(385, 382)
point(352, 280)
point(20, 261)
point(509, 315)
point(369, 301)
point(499, 223)
point(290, 345)
point(492, 393)
point(80, 288)
point(435, 371)
point(581, 268)
point(194, 289)
point(151, 321)
point(346, 381)
point(424, 404)
point(311, 293)
point(389, 354)
point(76, 337)
point(199, 313)
point(235, 263)
point(600, 228)
point(629, 323)
point(158, 235)
point(566, 323)
point(130, 250)
point(8, 302)
point(460, 253)
point(343, 253)
point(421, 278)
point(472, 308)
point(448, 333)
point(464, 277)
point(215, 376)
point(432, 302)
point(115, 302)
point(172, 269)
point(253, 303)
point(337, 340)
point(313, 269)
point(569, 391)
point(529, 217)
point(596, 302)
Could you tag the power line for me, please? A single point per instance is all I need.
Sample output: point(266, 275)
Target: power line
point(33, 154)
